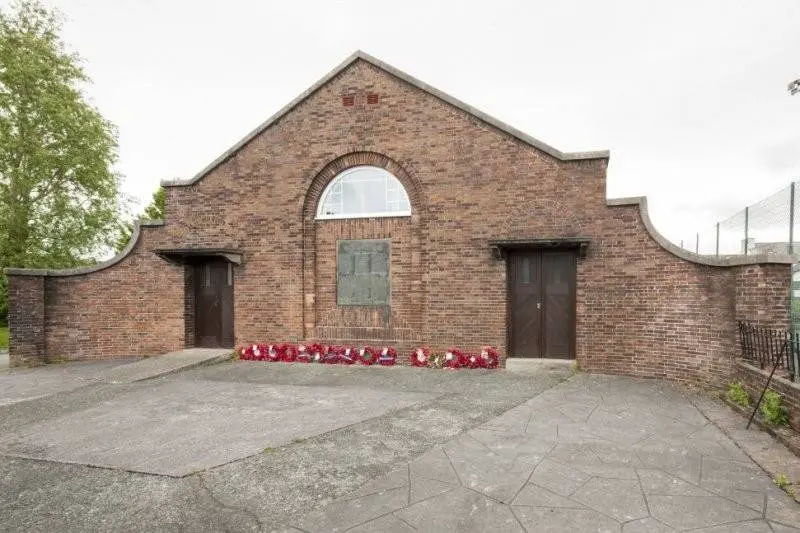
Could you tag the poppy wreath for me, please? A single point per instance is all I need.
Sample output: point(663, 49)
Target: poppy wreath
point(288, 353)
point(260, 352)
point(454, 358)
point(420, 356)
point(304, 353)
point(318, 353)
point(490, 357)
point(388, 357)
point(273, 352)
point(331, 354)
point(249, 353)
point(348, 355)
point(475, 361)
point(367, 355)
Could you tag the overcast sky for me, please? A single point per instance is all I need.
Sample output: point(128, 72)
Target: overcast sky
point(689, 95)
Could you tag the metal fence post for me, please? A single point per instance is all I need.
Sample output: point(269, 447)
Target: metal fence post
point(717, 253)
point(795, 354)
point(791, 219)
point(746, 229)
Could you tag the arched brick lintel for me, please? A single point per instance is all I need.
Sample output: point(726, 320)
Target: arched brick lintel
point(358, 158)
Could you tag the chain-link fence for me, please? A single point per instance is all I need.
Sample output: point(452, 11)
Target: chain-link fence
point(767, 227)
point(771, 226)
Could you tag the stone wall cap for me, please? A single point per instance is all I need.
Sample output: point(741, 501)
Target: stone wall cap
point(710, 260)
point(765, 373)
point(135, 233)
point(359, 55)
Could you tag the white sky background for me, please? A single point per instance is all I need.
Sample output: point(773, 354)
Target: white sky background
point(689, 95)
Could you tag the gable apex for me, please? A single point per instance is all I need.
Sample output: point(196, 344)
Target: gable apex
point(363, 56)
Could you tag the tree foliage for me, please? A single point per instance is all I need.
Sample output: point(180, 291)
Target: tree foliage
point(153, 211)
point(59, 195)
point(794, 87)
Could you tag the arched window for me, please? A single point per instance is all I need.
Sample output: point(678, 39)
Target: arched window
point(362, 192)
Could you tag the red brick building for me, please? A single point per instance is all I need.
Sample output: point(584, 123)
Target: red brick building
point(374, 209)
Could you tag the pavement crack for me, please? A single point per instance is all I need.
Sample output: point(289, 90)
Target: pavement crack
point(405, 522)
point(644, 494)
point(586, 421)
point(202, 485)
point(482, 445)
point(514, 513)
point(408, 470)
point(460, 481)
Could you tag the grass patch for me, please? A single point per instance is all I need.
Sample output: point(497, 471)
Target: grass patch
point(738, 395)
point(3, 337)
point(773, 410)
point(785, 484)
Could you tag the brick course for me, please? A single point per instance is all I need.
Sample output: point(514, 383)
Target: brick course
point(641, 310)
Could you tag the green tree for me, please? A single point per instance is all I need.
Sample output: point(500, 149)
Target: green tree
point(59, 195)
point(153, 211)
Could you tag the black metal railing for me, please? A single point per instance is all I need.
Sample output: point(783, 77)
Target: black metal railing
point(765, 348)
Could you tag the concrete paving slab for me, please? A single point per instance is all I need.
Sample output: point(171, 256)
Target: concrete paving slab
point(176, 428)
point(24, 384)
point(168, 363)
point(621, 499)
point(558, 520)
point(343, 515)
point(539, 365)
point(534, 496)
point(434, 465)
point(384, 524)
point(646, 525)
point(780, 528)
point(692, 512)
point(461, 510)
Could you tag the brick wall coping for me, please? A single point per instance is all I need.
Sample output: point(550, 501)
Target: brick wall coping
point(359, 55)
point(723, 261)
point(765, 374)
point(90, 268)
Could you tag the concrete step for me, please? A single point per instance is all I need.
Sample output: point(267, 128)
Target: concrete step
point(537, 366)
point(168, 363)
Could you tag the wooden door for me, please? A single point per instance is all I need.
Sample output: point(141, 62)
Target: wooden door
point(213, 304)
point(542, 304)
point(558, 304)
point(525, 287)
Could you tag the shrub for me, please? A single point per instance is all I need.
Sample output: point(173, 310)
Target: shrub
point(785, 484)
point(737, 394)
point(773, 411)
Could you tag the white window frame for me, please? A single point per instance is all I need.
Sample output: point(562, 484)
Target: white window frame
point(334, 187)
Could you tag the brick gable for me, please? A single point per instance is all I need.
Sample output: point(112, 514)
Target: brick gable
point(640, 308)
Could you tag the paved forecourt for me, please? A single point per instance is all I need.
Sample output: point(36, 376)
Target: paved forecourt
point(290, 447)
point(596, 453)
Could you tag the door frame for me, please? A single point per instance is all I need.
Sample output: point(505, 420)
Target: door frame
point(576, 253)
